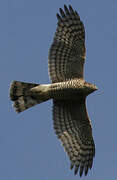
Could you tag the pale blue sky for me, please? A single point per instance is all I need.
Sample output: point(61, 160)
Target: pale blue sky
point(29, 149)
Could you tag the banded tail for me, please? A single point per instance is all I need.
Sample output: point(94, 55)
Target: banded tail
point(25, 95)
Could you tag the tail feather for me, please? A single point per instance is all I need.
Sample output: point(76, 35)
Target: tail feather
point(23, 98)
point(18, 89)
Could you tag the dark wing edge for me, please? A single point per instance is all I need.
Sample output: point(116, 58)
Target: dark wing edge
point(72, 126)
point(67, 52)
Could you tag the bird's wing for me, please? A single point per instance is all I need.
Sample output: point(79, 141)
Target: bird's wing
point(67, 52)
point(73, 128)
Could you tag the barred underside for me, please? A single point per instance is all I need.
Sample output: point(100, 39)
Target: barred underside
point(73, 128)
point(71, 89)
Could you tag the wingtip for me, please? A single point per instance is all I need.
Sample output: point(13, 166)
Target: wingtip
point(58, 17)
point(71, 166)
point(76, 169)
point(65, 6)
point(81, 170)
point(62, 12)
point(71, 9)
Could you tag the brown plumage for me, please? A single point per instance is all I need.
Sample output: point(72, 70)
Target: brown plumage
point(68, 91)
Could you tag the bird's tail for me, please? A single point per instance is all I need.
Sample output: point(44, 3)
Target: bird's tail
point(25, 95)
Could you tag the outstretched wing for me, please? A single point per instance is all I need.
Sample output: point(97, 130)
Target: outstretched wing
point(67, 52)
point(73, 128)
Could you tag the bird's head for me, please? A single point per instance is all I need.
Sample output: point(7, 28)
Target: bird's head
point(89, 88)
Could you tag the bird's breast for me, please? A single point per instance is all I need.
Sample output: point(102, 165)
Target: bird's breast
point(71, 89)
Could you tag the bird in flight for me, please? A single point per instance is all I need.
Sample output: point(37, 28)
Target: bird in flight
point(67, 89)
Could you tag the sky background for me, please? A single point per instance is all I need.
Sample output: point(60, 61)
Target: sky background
point(29, 149)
